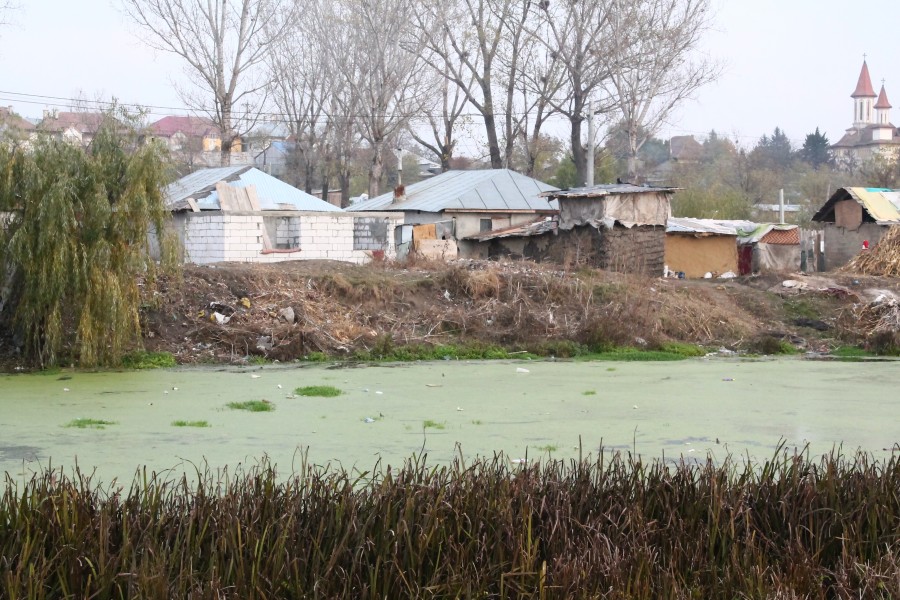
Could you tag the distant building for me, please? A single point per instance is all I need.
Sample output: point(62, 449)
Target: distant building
point(74, 127)
point(12, 124)
point(872, 132)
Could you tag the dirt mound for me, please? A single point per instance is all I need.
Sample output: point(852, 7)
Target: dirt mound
point(294, 309)
point(882, 260)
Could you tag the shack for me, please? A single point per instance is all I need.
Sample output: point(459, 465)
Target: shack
point(856, 217)
point(619, 227)
point(768, 247)
point(242, 214)
point(696, 247)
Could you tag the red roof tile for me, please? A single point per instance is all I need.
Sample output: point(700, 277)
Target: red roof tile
point(84, 122)
point(790, 237)
point(864, 85)
point(189, 126)
point(882, 100)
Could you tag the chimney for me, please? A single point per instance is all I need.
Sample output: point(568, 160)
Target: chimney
point(399, 194)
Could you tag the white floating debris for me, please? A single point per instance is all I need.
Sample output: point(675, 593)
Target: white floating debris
point(174, 389)
point(379, 393)
point(459, 408)
point(522, 370)
point(278, 386)
point(255, 376)
point(65, 389)
point(519, 461)
point(692, 450)
point(165, 391)
point(634, 407)
point(368, 420)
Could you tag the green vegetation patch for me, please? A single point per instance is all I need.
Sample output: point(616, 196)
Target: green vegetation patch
point(385, 350)
point(181, 423)
point(589, 393)
point(321, 391)
point(148, 360)
point(252, 406)
point(548, 448)
point(429, 424)
point(637, 354)
point(850, 352)
point(89, 423)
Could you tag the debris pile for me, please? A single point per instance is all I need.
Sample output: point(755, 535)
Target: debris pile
point(882, 260)
point(881, 316)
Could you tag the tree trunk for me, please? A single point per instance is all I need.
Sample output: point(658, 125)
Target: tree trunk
point(579, 154)
point(344, 180)
point(227, 138)
point(490, 126)
point(376, 169)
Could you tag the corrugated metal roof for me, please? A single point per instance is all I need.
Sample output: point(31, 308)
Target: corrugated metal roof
point(493, 189)
point(882, 204)
point(273, 193)
point(608, 189)
point(707, 226)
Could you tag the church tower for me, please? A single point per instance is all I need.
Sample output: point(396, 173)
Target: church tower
point(863, 99)
point(883, 129)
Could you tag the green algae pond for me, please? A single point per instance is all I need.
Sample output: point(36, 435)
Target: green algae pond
point(116, 422)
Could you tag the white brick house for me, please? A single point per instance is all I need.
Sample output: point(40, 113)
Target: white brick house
point(241, 214)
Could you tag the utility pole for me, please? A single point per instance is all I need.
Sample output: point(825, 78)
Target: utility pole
point(590, 148)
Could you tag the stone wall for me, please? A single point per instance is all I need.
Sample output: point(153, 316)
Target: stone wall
point(842, 244)
point(241, 237)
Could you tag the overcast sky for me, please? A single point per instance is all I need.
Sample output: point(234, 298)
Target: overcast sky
point(787, 63)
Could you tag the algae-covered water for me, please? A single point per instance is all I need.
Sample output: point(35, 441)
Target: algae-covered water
point(391, 412)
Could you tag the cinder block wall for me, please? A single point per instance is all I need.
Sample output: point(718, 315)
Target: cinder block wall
point(239, 236)
point(842, 244)
point(204, 238)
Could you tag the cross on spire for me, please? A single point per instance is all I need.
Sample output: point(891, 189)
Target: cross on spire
point(865, 55)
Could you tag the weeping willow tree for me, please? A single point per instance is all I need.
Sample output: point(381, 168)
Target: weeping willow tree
point(76, 243)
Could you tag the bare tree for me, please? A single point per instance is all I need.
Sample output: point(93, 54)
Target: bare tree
point(443, 111)
point(300, 87)
point(579, 36)
point(540, 80)
point(654, 70)
point(469, 37)
point(377, 61)
point(223, 43)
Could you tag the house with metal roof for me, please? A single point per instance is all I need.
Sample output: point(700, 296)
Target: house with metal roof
point(242, 214)
point(441, 212)
point(855, 218)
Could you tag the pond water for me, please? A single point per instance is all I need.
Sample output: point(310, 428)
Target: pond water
point(391, 412)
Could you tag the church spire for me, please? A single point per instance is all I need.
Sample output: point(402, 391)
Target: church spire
point(864, 85)
point(862, 99)
point(882, 108)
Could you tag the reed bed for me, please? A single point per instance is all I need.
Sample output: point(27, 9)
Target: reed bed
point(614, 527)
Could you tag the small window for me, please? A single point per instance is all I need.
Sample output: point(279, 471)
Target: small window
point(486, 225)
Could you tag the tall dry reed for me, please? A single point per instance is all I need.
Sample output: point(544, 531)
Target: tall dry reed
point(615, 527)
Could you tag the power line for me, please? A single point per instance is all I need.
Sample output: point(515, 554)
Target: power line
point(277, 118)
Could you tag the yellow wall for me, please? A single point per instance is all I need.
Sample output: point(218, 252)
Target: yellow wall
point(698, 255)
